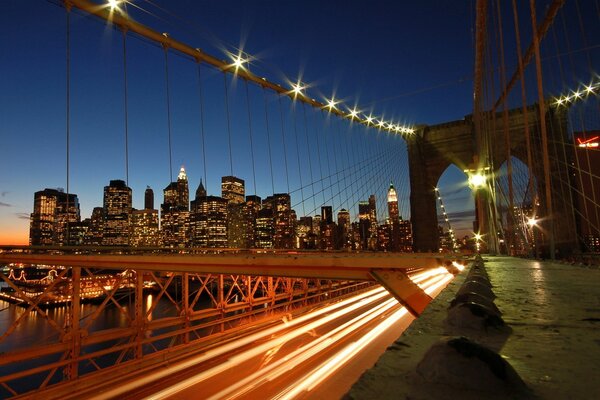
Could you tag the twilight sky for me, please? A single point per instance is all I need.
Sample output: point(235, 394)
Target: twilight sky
point(407, 61)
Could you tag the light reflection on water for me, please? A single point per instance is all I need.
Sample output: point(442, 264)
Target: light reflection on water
point(35, 329)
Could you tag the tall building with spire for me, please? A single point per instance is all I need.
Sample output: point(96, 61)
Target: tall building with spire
point(175, 213)
point(393, 231)
point(116, 208)
point(392, 202)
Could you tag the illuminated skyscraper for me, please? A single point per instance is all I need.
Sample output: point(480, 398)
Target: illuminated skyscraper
point(116, 209)
point(144, 228)
point(233, 189)
point(208, 220)
point(394, 220)
point(344, 226)
point(253, 206)
point(175, 214)
point(53, 210)
point(392, 200)
point(280, 203)
point(96, 227)
point(265, 230)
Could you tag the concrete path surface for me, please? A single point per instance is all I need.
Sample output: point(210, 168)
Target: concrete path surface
point(552, 311)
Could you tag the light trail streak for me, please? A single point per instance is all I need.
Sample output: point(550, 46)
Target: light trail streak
point(333, 364)
point(273, 368)
point(264, 347)
point(303, 353)
point(223, 349)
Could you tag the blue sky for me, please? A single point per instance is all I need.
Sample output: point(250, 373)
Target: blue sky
point(407, 61)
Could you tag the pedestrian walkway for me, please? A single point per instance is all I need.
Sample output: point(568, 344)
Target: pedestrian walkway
point(552, 338)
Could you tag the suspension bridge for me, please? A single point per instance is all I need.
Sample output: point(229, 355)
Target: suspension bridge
point(307, 210)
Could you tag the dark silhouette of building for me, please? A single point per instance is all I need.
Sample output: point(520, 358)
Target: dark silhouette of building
point(149, 198)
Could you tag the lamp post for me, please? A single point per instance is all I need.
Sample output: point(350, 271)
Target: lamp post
point(478, 182)
point(532, 224)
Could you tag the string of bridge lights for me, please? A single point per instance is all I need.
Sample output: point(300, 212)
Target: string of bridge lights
point(445, 214)
point(298, 89)
point(581, 93)
point(239, 65)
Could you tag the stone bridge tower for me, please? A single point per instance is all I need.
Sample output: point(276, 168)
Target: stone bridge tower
point(433, 148)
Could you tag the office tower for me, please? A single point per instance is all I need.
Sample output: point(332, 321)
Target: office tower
point(373, 222)
point(53, 210)
point(200, 191)
point(144, 228)
point(304, 237)
point(232, 189)
point(208, 220)
point(117, 208)
point(177, 193)
point(253, 206)
point(326, 214)
point(280, 203)
point(175, 213)
point(364, 221)
point(405, 236)
point(394, 220)
point(237, 225)
point(344, 226)
point(392, 201)
point(265, 229)
point(79, 232)
point(384, 233)
point(585, 171)
point(96, 230)
point(149, 199)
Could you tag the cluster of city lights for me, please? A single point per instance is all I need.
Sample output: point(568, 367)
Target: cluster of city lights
point(450, 230)
point(297, 90)
point(582, 92)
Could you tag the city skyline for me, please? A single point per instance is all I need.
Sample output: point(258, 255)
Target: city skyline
point(97, 142)
point(233, 220)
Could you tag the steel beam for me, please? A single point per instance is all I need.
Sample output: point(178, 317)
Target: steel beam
point(409, 294)
point(354, 266)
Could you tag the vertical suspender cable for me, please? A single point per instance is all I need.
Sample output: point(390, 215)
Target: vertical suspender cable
point(312, 182)
point(228, 123)
point(287, 176)
point(316, 125)
point(125, 101)
point(531, 189)
point(510, 219)
point(168, 112)
point(202, 133)
point(542, 110)
point(269, 140)
point(250, 134)
point(68, 106)
point(295, 122)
